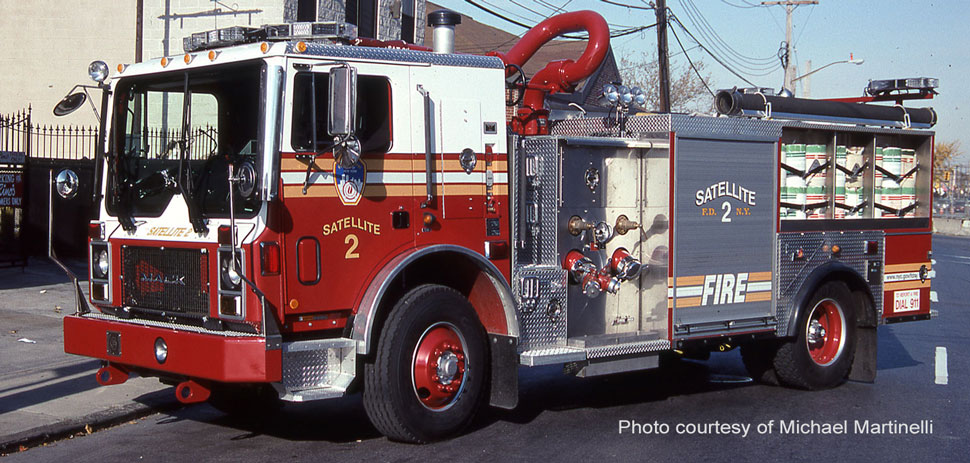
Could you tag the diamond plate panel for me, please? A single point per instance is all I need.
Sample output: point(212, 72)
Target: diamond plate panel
point(684, 125)
point(541, 192)
point(725, 127)
point(792, 273)
point(628, 348)
point(316, 364)
point(396, 54)
point(538, 327)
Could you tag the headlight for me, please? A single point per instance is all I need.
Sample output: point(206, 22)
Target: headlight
point(101, 263)
point(98, 71)
point(229, 273)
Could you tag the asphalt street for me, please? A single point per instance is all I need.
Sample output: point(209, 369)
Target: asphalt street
point(687, 410)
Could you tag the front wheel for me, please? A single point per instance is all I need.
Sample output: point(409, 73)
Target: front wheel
point(820, 355)
point(427, 378)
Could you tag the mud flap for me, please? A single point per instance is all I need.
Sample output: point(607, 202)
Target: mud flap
point(864, 364)
point(505, 371)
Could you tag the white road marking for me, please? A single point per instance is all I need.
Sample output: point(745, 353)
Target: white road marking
point(941, 371)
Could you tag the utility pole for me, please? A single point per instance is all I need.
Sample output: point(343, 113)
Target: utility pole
point(789, 64)
point(663, 60)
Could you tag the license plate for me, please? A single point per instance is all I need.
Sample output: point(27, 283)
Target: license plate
point(906, 301)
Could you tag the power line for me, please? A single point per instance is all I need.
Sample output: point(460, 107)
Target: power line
point(707, 30)
point(691, 62)
point(712, 55)
point(745, 6)
point(637, 7)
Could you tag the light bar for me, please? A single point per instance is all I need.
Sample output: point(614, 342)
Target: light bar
point(238, 35)
point(912, 83)
point(217, 38)
point(308, 30)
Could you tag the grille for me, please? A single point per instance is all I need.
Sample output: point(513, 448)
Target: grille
point(170, 280)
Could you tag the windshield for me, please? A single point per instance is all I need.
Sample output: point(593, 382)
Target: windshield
point(177, 133)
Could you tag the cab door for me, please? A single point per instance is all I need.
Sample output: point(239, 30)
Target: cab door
point(339, 222)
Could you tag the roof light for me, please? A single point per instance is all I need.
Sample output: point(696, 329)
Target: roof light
point(122, 67)
point(264, 47)
point(98, 71)
point(164, 62)
point(213, 55)
point(188, 58)
point(301, 46)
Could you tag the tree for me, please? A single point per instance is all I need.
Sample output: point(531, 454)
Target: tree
point(944, 156)
point(688, 92)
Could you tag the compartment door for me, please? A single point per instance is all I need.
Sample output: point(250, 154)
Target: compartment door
point(724, 235)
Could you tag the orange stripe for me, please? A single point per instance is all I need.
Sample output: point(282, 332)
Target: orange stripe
point(905, 267)
point(900, 285)
point(670, 303)
point(758, 296)
point(690, 281)
point(688, 301)
point(759, 276)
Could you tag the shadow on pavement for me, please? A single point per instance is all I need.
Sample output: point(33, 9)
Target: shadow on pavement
point(41, 271)
point(892, 352)
point(542, 389)
point(52, 391)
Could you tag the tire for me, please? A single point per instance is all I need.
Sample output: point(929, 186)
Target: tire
point(758, 358)
point(428, 376)
point(245, 401)
point(820, 354)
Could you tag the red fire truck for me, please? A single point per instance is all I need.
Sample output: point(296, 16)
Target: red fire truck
point(294, 213)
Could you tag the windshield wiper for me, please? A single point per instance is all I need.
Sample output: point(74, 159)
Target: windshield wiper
point(185, 167)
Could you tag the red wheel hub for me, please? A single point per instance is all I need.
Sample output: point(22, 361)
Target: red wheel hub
point(439, 366)
point(825, 332)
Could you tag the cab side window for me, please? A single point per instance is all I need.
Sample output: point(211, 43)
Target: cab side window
point(373, 112)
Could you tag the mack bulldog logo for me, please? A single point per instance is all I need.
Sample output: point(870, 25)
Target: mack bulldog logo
point(152, 280)
point(349, 182)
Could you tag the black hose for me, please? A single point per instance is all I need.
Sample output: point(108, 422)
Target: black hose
point(733, 102)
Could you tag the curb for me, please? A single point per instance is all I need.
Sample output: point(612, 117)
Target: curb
point(97, 421)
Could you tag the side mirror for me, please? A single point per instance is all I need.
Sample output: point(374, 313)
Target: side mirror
point(70, 104)
point(343, 101)
point(66, 183)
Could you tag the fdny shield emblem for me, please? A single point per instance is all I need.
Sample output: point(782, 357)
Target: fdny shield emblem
point(349, 182)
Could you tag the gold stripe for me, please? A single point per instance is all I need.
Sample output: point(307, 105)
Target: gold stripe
point(906, 267)
point(670, 282)
point(759, 276)
point(688, 301)
point(670, 303)
point(690, 281)
point(758, 296)
point(900, 285)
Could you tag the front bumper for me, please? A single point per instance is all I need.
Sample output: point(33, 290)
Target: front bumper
point(225, 357)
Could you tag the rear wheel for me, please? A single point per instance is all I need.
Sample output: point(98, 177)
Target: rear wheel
point(821, 353)
point(427, 378)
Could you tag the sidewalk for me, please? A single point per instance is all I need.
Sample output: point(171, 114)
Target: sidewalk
point(45, 393)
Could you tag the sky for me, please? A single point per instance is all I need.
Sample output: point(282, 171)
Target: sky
point(895, 38)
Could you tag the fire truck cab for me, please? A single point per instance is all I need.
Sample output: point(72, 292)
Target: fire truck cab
point(291, 212)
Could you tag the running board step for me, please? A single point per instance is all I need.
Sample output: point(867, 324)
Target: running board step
point(575, 353)
point(318, 369)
